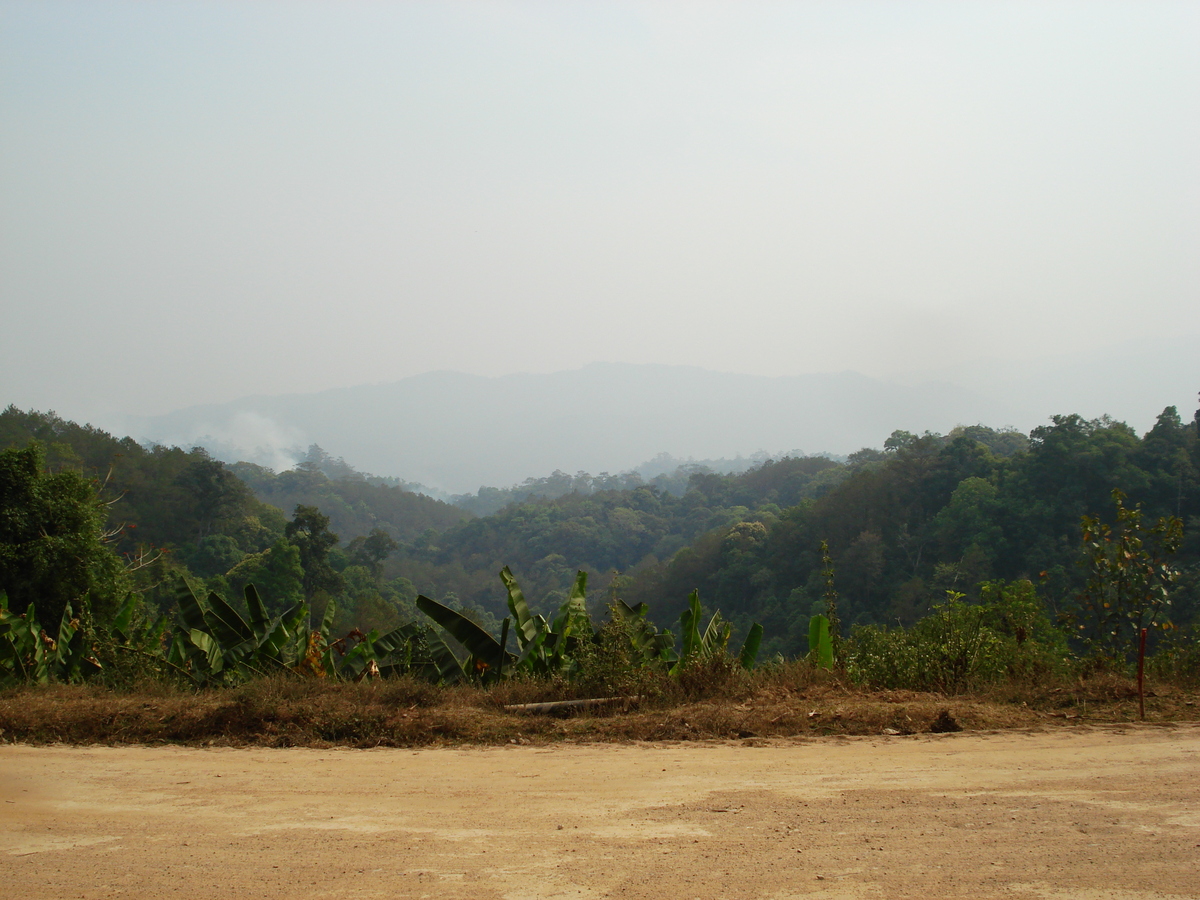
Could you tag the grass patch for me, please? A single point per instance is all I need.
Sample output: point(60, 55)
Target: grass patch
point(785, 701)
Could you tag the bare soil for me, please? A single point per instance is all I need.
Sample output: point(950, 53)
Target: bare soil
point(1094, 811)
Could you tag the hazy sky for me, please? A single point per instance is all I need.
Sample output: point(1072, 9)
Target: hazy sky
point(204, 200)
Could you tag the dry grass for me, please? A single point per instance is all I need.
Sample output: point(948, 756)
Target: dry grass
point(788, 701)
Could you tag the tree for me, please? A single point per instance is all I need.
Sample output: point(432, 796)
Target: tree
point(831, 602)
point(309, 533)
point(1166, 459)
point(215, 555)
point(1129, 578)
point(370, 551)
point(52, 539)
point(214, 492)
point(276, 572)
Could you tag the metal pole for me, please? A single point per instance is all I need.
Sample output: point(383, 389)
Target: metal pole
point(1141, 676)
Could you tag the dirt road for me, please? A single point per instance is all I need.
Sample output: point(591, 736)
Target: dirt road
point(1083, 813)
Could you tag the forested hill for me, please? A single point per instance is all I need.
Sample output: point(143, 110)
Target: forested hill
point(606, 532)
point(169, 496)
point(925, 514)
point(931, 514)
point(173, 511)
point(156, 497)
point(355, 503)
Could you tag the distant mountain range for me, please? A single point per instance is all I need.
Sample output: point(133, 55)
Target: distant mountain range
point(455, 432)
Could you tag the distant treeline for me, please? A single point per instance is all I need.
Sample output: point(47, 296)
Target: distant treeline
point(665, 472)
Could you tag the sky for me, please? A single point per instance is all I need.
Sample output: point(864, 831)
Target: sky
point(200, 201)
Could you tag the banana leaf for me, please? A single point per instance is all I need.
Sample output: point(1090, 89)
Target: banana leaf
point(286, 641)
point(72, 658)
point(697, 643)
point(689, 623)
point(213, 662)
point(191, 610)
point(327, 619)
point(226, 624)
point(481, 645)
point(68, 627)
point(820, 646)
point(716, 635)
point(441, 666)
point(530, 628)
point(750, 646)
point(259, 618)
point(573, 619)
point(146, 638)
point(177, 654)
point(377, 647)
point(424, 654)
point(22, 653)
point(649, 644)
point(123, 619)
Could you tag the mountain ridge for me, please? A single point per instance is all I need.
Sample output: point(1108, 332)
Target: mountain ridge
point(455, 431)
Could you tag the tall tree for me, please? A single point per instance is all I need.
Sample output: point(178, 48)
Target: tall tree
point(52, 539)
point(370, 551)
point(309, 532)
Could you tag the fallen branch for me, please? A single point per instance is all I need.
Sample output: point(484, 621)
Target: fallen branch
point(558, 706)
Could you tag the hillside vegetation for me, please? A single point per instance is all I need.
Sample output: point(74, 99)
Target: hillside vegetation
point(939, 562)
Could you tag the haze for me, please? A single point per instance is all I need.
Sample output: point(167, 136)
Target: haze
point(204, 201)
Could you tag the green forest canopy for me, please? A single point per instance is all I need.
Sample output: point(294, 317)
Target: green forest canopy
point(904, 524)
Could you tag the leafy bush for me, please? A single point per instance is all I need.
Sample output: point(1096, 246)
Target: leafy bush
point(960, 645)
point(611, 666)
point(1178, 657)
point(717, 674)
point(1130, 580)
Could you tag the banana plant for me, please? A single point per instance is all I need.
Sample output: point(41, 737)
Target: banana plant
point(22, 649)
point(544, 648)
point(487, 658)
point(146, 636)
point(143, 637)
point(714, 639)
point(28, 655)
point(194, 649)
point(573, 625)
point(820, 642)
point(750, 646)
point(71, 656)
point(421, 651)
point(214, 643)
point(408, 649)
point(650, 646)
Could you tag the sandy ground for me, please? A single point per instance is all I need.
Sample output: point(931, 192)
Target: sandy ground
point(1073, 813)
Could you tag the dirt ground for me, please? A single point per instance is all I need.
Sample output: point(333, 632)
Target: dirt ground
point(1088, 812)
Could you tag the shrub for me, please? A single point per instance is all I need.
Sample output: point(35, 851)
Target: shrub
point(711, 676)
point(613, 666)
point(947, 651)
point(1178, 657)
point(962, 645)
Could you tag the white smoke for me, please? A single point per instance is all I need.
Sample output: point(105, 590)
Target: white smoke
point(245, 436)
